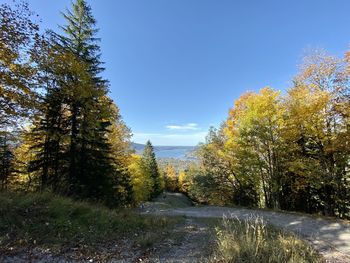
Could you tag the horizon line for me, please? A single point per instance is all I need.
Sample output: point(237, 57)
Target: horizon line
point(166, 144)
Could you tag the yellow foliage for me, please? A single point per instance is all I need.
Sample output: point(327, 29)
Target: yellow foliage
point(171, 182)
point(183, 182)
point(119, 138)
point(141, 180)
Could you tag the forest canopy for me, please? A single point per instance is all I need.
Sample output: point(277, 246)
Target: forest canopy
point(284, 151)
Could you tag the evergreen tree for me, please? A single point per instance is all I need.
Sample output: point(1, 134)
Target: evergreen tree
point(90, 113)
point(93, 171)
point(150, 162)
point(76, 149)
point(50, 131)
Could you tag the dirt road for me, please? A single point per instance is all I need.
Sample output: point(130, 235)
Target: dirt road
point(331, 238)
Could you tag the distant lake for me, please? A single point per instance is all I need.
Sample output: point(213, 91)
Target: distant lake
point(178, 152)
point(172, 153)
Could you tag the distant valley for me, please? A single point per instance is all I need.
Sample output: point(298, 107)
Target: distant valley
point(177, 152)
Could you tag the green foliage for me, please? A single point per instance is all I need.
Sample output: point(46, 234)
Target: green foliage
point(150, 163)
point(178, 164)
point(253, 241)
point(194, 184)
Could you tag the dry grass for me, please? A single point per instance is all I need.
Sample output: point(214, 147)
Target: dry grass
point(253, 240)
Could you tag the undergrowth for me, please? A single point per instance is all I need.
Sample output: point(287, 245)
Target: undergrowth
point(49, 220)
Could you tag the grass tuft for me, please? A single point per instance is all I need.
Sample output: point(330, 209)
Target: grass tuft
point(253, 240)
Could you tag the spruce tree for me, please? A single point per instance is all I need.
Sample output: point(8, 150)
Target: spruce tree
point(51, 128)
point(92, 172)
point(87, 140)
point(77, 116)
point(150, 163)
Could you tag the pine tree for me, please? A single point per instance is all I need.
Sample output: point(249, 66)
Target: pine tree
point(150, 162)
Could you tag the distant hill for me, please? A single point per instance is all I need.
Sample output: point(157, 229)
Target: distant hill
point(177, 152)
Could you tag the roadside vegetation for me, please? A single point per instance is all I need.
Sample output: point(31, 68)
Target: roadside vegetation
point(252, 240)
point(81, 231)
point(61, 224)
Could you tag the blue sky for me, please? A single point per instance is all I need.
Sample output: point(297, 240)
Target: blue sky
point(176, 66)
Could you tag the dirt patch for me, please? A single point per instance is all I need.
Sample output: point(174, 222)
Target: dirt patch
point(166, 201)
point(189, 242)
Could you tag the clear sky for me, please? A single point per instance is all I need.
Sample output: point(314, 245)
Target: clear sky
point(176, 66)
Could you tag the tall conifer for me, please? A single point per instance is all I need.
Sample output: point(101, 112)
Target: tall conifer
point(150, 162)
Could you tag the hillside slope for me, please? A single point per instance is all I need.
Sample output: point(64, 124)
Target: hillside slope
point(49, 228)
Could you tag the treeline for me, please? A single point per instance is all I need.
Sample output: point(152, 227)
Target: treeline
point(284, 151)
point(61, 132)
point(59, 129)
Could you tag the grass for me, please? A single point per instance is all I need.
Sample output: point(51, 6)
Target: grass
point(57, 223)
point(52, 221)
point(254, 241)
